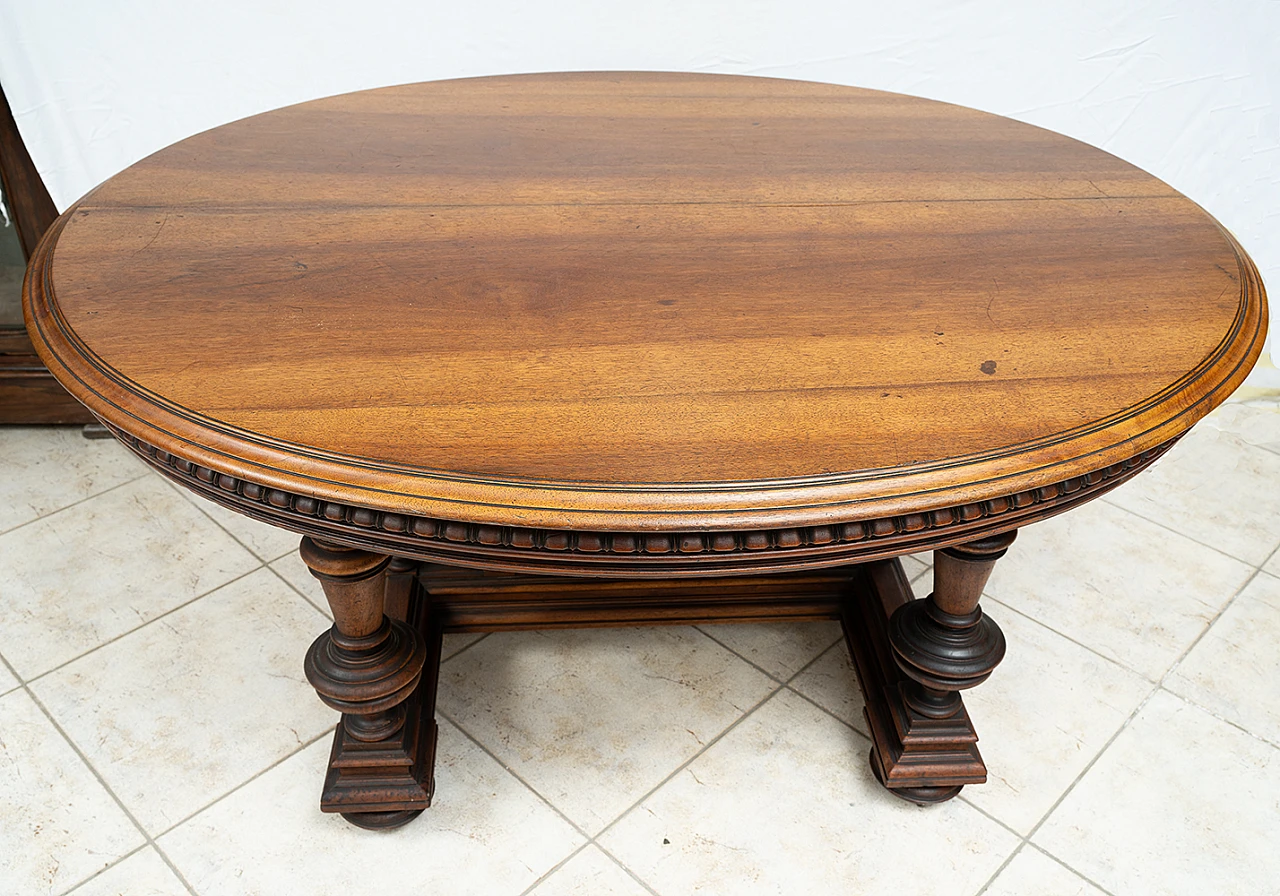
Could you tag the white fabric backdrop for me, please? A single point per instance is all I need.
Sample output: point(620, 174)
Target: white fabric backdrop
point(1187, 89)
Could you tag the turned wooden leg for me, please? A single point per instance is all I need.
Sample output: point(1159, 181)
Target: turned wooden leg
point(913, 659)
point(944, 644)
point(367, 666)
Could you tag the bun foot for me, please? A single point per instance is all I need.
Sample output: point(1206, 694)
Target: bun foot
point(921, 796)
point(382, 821)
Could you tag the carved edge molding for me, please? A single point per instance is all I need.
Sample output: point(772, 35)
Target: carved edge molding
point(631, 553)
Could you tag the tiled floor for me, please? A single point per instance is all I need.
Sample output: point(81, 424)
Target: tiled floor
point(157, 735)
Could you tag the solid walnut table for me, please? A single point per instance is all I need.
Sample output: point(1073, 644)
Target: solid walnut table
point(614, 349)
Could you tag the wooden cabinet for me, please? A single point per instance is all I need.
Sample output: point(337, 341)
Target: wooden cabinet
point(28, 392)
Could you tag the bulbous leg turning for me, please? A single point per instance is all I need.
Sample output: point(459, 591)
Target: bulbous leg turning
point(925, 748)
point(367, 666)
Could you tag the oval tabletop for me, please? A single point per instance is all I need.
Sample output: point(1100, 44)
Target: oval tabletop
point(696, 322)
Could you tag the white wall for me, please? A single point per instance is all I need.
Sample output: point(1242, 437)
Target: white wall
point(1187, 89)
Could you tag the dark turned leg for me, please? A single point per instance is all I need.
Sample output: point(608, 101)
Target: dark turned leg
point(943, 644)
point(367, 666)
point(914, 657)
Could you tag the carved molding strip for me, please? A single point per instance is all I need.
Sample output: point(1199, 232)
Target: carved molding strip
point(436, 536)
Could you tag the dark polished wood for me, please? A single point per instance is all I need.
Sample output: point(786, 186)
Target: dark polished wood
point(369, 666)
point(24, 191)
point(603, 349)
point(645, 303)
point(28, 392)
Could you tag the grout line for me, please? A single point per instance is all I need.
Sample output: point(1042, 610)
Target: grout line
point(631, 874)
point(102, 782)
point(1110, 503)
point(14, 672)
point(1209, 712)
point(921, 574)
point(556, 867)
point(77, 503)
point(142, 625)
point(845, 722)
point(785, 686)
point(328, 732)
point(709, 744)
point(1088, 766)
point(464, 648)
point(509, 770)
point(182, 878)
point(1204, 631)
point(981, 811)
point(105, 868)
point(1159, 686)
point(592, 840)
point(298, 591)
point(865, 737)
point(781, 685)
point(1040, 622)
point(1022, 843)
point(1059, 861)
point(1262, 566)
point(187, 494)
point(756, 666)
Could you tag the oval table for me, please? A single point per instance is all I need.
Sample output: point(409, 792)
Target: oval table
point(609, 349)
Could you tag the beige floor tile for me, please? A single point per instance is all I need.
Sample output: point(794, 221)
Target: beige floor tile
point(46, 468)
point(142, 874)
point(1214, 487)
point(58, 825)
point(1234, 672)
point(1273, 565)
point(1179, 803)
point(922, 584)
point(1125, 587)
point(590, 873)
point(182, 710)
point(78, 578)
point(779, 648)
point(291, 568)
point(594, 718)
point(1256, 422)
point(785, 803)
point(485, 834)
point(456, 643)
point(267, 542)
point(1043, 715)
point(832, 683)
point(1033, 872)
point(7, 681)
point(915, 564)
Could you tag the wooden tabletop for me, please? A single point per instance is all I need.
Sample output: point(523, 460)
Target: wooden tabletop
point(652, 302)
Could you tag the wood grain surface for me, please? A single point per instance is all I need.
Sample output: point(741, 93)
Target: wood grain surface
point(643, 302)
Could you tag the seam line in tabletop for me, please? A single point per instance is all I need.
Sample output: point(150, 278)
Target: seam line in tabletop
point(312, 452)
point(745, 203)
point(48, 311)
point(1244, 281)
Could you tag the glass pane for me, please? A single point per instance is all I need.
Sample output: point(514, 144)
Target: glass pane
point(11, 268)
